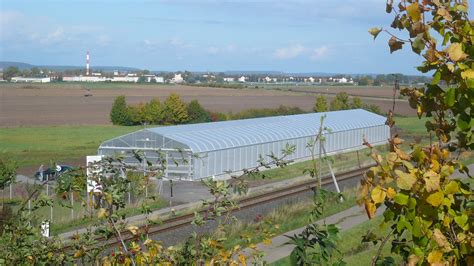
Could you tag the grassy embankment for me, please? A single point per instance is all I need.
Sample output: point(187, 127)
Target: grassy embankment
point(354, 252)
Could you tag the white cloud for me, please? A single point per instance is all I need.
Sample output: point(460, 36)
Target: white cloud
point(289, 52)
point(19, 30)
point(319, 53)
point(230, 48)
point(179, 43)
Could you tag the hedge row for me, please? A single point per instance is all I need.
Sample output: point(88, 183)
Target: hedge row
point(173, 111)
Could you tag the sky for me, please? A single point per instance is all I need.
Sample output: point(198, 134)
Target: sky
point(208, 35)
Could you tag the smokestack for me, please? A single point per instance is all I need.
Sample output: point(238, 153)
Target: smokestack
point(87, 63)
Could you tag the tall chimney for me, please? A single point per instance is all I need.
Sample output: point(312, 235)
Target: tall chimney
point(87, 63)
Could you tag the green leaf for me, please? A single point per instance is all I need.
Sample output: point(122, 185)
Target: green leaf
point(375, 32)
point(417, 232)
point(401, 199)
point(394, 44)
point(435, 199)
point(436, 78)
point(418, 44)
point(450, 97)
point(405, 180)
point(461, 220)
point(464, 122)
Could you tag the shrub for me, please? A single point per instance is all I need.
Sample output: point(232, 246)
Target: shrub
point(119, 115)
point(154, 112)
point(340, 102)
point(175, 111)
point(265, 112)
point(197, 114)
point(372, 108)
point(137, 114)
point(321, 104)
point(218, 116)
point(356, 103)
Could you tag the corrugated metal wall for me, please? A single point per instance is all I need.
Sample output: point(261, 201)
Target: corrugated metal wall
point(235, 159)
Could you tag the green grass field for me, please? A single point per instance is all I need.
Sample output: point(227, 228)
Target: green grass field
point(32, 146)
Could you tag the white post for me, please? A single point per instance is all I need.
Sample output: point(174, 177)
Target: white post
point(10, 190)
point(189, 166)
point(332, 174)
point(129, 196)
point(45, 228)
point(144, 175)
point(72, 205)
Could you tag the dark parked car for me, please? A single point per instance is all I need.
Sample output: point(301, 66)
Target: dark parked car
point(52, 173)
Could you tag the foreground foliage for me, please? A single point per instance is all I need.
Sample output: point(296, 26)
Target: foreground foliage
point(429, 212)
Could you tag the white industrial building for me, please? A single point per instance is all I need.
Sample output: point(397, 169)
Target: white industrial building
point(84, 78)
point(220, 148)
point(31, 80)
point(127, 78)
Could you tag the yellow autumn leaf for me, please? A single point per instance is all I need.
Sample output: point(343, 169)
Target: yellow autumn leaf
point(405, 180)
point(435, 199)
point(455, 52)
point(102, 213)
point(468, 74)
point(133, 229)
point(431, 181)
point(370, 208)
point(108, 197)
point(441, 240)
point(267, 241)
point(445, 14)
point(134, 246)
point(242, 259)
point(78, 253)
point(378, 195)
point(435, 256)
point(413, 260)
point(391, 193)
point(413, 11)
point(252, 246)
point(147, 242)
point(452, 187)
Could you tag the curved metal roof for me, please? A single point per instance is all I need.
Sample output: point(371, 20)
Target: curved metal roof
point(206, 137)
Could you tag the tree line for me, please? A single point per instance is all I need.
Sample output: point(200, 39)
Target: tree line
point(174, 111)
point(342, 101)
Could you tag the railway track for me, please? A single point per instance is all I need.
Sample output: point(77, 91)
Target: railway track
point(177, 222)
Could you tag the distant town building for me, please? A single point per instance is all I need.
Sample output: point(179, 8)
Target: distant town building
point(341, 80)
point(178, 78)
point(242, 79)
point(229, 79)
point(31, 80)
